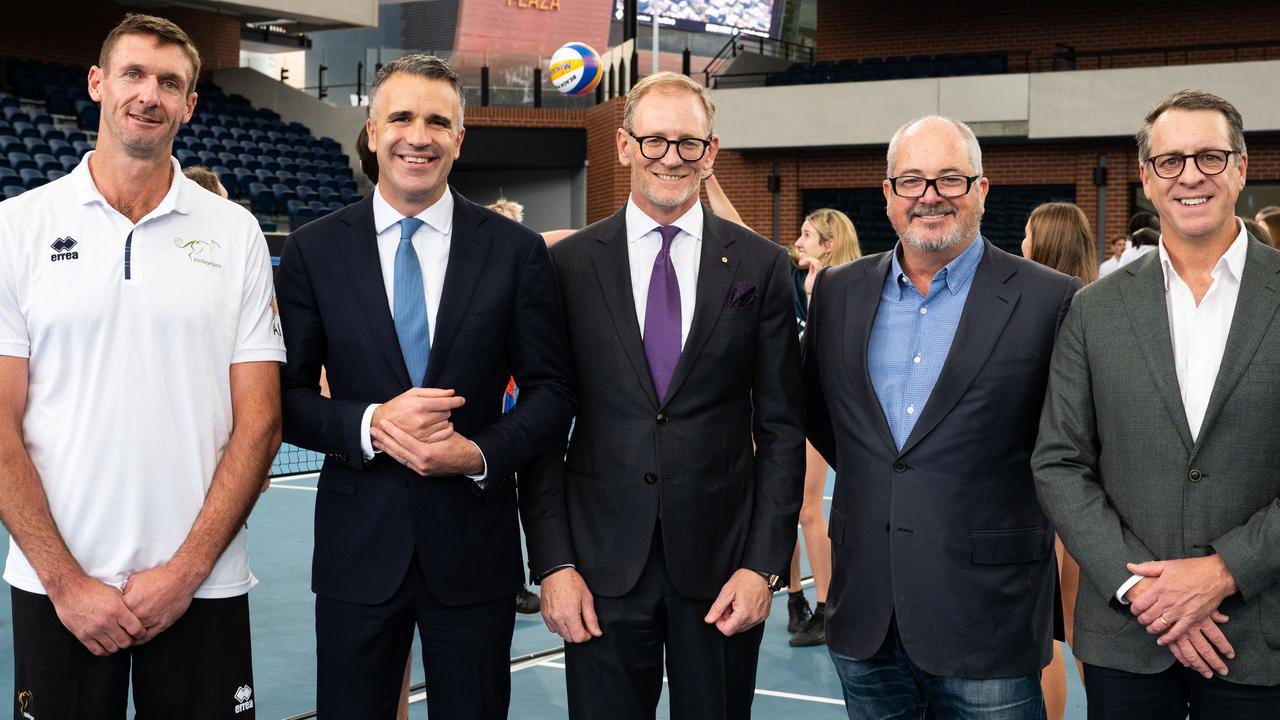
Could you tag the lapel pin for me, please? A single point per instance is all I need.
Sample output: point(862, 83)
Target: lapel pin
point(724, 260)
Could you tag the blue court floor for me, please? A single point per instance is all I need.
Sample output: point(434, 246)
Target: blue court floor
point(793, 683)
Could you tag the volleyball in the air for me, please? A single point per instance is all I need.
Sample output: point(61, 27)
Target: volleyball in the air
point(575, 69)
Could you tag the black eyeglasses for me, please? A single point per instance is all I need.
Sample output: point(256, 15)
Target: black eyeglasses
point(948, 186)
point(1209, 162)
point(654, 147)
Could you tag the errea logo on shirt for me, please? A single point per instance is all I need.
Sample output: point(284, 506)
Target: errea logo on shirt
point(63, 249)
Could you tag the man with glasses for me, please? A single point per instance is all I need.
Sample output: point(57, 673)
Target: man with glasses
point(925, 368)
point(1176, 528)
point(664, 528)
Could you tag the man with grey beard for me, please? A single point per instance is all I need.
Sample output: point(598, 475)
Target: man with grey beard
point(925, 368)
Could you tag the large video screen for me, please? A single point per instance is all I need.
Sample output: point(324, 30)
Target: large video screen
point(725, 17)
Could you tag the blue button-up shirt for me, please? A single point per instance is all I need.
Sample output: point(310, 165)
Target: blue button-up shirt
point(912, 336)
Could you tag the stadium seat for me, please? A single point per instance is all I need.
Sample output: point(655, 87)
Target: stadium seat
point(24, 129)
point(69, 163)
point(13, 191)
point(10, 143)
point(261, 197)
point(35, 145)
point(20, 161)
point(88, 117)
point(283, 194)
point(74, 136)
point(82, 146)
point(61, 148)
point(32, 178)
point(46, 162)
point(55, 174)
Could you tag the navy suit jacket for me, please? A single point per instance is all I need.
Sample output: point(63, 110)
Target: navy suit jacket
point(945, 534)
point(499, 316)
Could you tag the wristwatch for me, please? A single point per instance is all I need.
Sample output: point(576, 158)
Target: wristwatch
point(774, 581)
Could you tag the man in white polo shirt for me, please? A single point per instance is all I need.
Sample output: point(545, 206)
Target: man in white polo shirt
point(139, 410)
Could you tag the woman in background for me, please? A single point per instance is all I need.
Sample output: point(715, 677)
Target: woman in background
point(827, 238)
point(1059, 237)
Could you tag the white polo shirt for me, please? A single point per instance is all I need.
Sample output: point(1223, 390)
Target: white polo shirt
point(130, 331)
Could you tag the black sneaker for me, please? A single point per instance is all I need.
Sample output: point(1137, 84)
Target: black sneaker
point(527, 602)
point(813, 633)
point(798, 613)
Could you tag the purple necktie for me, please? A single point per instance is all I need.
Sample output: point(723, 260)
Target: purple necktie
point(662, 316)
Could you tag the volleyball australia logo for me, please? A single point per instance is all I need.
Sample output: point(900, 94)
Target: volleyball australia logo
point(64, 249)
point(203, 252)
point(244, 699)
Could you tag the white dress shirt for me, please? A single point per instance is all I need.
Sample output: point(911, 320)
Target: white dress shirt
point(1199, 333)
point(431, 242)
point(643, 244)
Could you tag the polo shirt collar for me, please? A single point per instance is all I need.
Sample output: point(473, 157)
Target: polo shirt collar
point(439, 215)
point(178, 199)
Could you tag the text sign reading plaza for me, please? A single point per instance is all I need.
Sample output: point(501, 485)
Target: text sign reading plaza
point(534, 4)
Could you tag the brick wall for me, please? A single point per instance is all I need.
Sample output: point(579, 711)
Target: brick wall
point(67, 31)
point(859, 28)
point(504, 27)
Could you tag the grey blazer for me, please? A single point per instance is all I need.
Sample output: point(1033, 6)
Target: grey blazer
point(1117, 471)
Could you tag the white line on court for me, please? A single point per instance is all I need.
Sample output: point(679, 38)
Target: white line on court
point(294, 487)
point(770, 693)
point(419, 697)
point(291, 478)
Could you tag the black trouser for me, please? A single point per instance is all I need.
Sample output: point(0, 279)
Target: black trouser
point(618, 675)
point(201, 667)
point(361, 650)
point(1173, 694)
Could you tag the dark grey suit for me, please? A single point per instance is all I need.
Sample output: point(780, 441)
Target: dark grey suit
point(1117, 470)
point(946, 534)
point(685, 465)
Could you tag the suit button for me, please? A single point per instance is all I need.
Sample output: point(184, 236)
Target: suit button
point(650, 479)
point(1194, 475)
point(899, 467)
point(662, 418)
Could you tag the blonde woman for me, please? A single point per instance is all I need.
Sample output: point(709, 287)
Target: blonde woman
point(1058, 236)
point(827, 238)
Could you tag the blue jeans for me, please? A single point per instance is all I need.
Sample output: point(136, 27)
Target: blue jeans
point(888, 686)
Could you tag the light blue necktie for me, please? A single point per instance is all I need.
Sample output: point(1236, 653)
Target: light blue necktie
point(411, 305)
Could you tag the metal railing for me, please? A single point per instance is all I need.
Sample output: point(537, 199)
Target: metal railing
point(768, 47)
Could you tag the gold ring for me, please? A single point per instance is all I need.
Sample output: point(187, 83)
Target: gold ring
point(1166, 622)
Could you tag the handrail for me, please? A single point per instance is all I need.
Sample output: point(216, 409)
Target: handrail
point(741, 42)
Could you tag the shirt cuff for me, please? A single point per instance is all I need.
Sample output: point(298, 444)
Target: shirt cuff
point(366, 443)
point(1125, 588)
point(480, 480)
point(554, 570)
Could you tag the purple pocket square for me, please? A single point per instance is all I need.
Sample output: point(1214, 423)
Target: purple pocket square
point(742, 294)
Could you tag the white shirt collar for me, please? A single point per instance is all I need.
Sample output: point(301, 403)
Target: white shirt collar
point(439, 215)
point(1232, 260)
point(176, 200)
point(640, 224)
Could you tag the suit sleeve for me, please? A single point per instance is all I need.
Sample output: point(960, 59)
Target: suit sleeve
point(817, 416)
point(311, 420)
point(1249, 551)
point(538, 350)
point(543, 512)
point(778, 420)
point(1065, 464)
